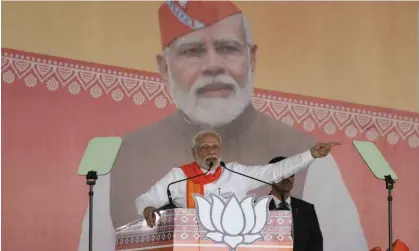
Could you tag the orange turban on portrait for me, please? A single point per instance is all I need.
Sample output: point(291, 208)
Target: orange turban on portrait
point(179, 18)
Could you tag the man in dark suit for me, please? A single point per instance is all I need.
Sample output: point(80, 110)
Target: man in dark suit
point(306, 229)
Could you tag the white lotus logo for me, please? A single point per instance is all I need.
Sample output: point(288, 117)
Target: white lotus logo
point(233, 223)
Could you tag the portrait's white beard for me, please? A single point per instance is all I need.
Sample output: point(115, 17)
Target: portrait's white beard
point(212, 111)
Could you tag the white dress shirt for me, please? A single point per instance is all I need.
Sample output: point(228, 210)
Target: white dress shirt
point(227, 185)
point(278, 201)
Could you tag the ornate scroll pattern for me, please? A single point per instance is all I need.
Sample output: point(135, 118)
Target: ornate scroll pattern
point(142, 87)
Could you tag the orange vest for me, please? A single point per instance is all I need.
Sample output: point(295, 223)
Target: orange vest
point(196, 185)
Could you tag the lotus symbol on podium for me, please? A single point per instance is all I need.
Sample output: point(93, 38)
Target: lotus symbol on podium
point(233, 222)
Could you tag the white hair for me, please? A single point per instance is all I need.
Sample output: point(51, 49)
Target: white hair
point(197, 138)
point(247, 34)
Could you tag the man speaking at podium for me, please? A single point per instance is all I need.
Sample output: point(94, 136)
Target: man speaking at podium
point(206, 151)
point(207, 64)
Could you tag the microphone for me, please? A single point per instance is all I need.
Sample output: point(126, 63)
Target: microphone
point(171, 205)
point(281, 194)
point(264, 182)
point(253, 178)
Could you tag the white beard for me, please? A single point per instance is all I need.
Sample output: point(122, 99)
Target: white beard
point(208, 111)
point(203, 163)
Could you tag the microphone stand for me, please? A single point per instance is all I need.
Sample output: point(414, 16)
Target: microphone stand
point(91, 178)
point(281, 194)
point(171, 205)
point(264, 182)
point(389, 186)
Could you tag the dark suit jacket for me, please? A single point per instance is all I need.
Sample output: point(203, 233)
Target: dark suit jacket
point(307, 233)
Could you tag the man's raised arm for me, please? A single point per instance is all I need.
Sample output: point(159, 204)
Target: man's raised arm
point(283, 169)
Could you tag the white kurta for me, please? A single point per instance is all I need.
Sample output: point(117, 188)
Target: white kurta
point(227, 185)
point(324, 187)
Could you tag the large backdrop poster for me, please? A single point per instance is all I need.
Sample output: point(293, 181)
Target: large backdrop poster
point(56, 98)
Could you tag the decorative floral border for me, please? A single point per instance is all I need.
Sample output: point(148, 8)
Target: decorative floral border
point(142, 87)
point(184, 226)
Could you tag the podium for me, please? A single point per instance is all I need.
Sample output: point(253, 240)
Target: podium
point(180, 230)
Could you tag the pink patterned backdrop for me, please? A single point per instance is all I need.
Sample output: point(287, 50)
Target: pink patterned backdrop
point(182, 226)
point(52, 106)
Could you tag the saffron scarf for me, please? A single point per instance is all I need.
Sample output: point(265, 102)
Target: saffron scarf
point(196, 185)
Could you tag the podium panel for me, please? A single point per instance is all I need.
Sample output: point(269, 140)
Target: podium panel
point(179, 229)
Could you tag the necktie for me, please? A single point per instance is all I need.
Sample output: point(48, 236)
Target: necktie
point(283, 206)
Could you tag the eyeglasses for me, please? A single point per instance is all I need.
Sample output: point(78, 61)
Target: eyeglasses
point(228, 49)
point(207, 148)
